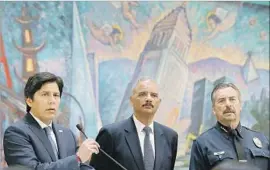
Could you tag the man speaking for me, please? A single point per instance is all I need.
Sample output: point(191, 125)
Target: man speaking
point(36, 141)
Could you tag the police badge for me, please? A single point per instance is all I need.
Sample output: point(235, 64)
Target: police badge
point(257, 142)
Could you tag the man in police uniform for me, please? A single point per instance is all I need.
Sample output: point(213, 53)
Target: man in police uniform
point(228, 139)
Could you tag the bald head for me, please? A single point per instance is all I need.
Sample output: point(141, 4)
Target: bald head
point(144, 81)
point(145, 99)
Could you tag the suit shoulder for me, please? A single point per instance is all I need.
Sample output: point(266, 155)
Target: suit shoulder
point(20, 124)
point(62, 127)
point(19, 127)
point(114, 127)
point(167, 129)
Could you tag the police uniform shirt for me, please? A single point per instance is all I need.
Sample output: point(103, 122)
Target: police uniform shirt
point(217, 145)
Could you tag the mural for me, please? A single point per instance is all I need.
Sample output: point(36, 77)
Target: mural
point(187, 47)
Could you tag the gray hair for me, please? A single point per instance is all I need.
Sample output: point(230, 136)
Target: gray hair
point(141, 79)
point(222, 86)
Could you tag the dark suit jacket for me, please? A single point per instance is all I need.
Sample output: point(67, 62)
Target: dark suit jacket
point(121, 141)
point(26, 143)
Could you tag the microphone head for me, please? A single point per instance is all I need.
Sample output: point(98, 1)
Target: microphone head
point(79, 127)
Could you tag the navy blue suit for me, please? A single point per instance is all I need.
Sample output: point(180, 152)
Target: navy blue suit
point(26, 143)
point(121, 141)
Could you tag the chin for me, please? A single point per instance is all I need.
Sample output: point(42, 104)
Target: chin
point(230, 119)
point(149, 112)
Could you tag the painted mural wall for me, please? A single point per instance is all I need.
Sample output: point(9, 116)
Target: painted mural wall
point(101, 49)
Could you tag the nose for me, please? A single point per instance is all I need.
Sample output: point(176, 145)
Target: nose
point(52, 99)
point(148, 98)
point(228, 103)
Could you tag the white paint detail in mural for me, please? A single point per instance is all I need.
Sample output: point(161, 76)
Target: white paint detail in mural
point(249, 70)
point(82, 80)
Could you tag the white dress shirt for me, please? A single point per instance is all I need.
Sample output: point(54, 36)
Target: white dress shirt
point(43, 125)
point(141, 134)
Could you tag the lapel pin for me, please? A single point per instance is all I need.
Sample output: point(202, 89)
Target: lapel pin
point(257, 142)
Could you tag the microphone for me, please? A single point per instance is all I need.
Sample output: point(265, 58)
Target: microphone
point(79, 127)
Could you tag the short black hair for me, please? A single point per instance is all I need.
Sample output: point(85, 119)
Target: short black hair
point(222, 86)
point(35, 82)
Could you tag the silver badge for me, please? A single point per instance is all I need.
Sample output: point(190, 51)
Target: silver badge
point(257, 142)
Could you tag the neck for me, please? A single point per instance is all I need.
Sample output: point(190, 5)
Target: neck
point(231, 124)
point(146, 120)
point(40, 120)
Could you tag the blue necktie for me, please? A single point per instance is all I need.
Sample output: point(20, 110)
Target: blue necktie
point(148, 150)
point(49, 133)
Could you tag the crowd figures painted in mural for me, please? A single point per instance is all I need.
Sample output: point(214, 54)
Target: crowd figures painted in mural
point(187, 47)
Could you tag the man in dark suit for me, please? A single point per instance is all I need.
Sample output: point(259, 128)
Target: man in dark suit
point(36, 141)
point(138, 143)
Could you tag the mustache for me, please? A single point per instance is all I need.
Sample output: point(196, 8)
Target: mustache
point(148, 104)
point(229, 110)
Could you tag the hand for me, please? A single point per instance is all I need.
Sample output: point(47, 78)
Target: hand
point(87, 148)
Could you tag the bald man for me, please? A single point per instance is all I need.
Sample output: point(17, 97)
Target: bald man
point(138, 143)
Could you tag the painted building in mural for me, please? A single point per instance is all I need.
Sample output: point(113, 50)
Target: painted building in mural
point(164, 60)
point(201, 110)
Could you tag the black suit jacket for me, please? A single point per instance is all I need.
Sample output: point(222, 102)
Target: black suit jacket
point(26, 143)
point(121, 141)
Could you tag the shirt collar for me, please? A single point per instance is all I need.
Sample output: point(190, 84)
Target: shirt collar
point(227, 130)
point(41, 124)
point(139, 125)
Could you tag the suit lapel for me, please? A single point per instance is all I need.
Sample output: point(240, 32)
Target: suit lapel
point(159, 146)
point(133, 143)
point(40, 133)
point(59, 134)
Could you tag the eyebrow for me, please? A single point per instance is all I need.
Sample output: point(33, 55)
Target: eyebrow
point(226, 97)
point(49, 92)
point(148, 92)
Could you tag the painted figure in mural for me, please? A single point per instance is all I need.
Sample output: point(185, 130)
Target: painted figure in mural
point(36, 141)
point(107, 34)
point(138, 143)
point(228, 139)
point(127, 9)
point(129, 14)
point(220, 20)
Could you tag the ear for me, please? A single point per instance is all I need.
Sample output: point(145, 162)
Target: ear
point(131, 100)
point(29, 102)
point(213, 110)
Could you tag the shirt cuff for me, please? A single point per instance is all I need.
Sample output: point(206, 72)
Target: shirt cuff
point(78, 159)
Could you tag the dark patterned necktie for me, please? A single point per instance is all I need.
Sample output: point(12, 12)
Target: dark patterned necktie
point(148, 150)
